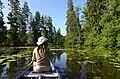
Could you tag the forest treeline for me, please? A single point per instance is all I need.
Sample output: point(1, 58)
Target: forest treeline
point(98, 32)
point(24, 28)
point(93, 41)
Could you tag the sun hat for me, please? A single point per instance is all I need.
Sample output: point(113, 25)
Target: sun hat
point(41, 40)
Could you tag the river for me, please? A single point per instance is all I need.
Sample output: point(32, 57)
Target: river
point(68, 68)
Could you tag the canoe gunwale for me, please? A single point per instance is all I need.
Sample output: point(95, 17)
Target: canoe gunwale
point(21, 75)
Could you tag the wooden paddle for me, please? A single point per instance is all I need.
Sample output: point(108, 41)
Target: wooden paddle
point(30, 64)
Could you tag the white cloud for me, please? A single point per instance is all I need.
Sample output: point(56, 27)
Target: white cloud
point(63, 32)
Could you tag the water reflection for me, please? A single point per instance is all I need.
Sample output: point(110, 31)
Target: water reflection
point(12, 69)
point(70, 65)
point(70, 69)
point(4, 73)
point(60, 64)
point(83, 70)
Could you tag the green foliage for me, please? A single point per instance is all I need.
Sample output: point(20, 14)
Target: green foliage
point(59, 39)
point(111, 26)
point(14, 21)
point(25, 28)
point(100, 34)
point(2, 27)
point(25, 13)
point(93, 14)
point(49, 28)
point(36, 26)
point(74, 33)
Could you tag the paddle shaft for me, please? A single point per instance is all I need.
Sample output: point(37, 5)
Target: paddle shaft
point(28, 65)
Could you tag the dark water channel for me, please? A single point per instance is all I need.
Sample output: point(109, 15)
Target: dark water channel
point(67, 68)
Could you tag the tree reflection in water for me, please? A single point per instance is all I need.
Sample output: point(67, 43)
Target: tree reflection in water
point(83, 71)
point(60, 63)
point(71, 65)
point(4, 73)
point(12, 69)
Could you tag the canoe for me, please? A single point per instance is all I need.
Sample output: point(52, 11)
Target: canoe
point(29, 74)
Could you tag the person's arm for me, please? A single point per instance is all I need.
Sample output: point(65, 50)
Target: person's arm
point(30, 63)
point(33, 58)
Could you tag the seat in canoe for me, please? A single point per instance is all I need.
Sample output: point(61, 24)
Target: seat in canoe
point(29, 74)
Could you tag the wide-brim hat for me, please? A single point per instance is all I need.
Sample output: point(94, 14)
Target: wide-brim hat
point(41, 40)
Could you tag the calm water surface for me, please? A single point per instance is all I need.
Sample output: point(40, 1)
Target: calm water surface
point(67, 67)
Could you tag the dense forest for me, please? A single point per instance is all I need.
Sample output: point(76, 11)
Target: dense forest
point(98, 31)
point(24, 28)
point(96, 37)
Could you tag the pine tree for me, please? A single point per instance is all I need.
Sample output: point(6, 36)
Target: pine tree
point(30, 34)
point(36, 29)
point(93, 14)
point(59, 38)
point(49, 29)
point(14, 21)
point(111, 26)
point(2, 27)
point(24, 19)
point(72, 26)
point(26, 12)
point(79, 28)
point(71, 18)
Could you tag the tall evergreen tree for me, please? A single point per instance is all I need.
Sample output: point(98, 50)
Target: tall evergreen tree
point(30, 34)
point(14, 21)
point(2, 27)
point(43, 27)
point(49, 29)
point(93, 14)
point(79, 28)
point(111, 26)
point(36, 29)
point(72, 26)
point(24, 19)
point(59, 40)
point(71, 17)
point(26, 12)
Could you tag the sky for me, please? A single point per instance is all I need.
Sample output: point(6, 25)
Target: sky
point(54, 8)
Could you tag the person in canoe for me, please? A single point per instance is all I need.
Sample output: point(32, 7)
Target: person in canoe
point(40, 58)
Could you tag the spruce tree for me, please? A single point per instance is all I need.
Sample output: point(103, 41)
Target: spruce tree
point(2, 27)
point(36, 29)
point(71, 26)
point(79, 28)
point(14, 21)
point(93, 14)
point(24, 22)
point(30, 34)
point(49, 29)
point(111, 26)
